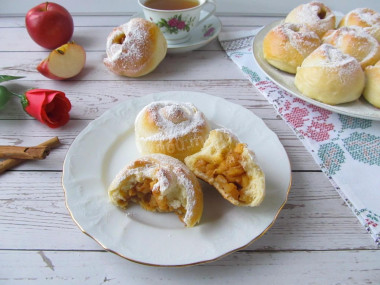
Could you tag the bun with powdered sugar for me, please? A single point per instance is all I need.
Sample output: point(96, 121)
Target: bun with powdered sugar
point(177, 129)
point(159, 183)
point(135, 49)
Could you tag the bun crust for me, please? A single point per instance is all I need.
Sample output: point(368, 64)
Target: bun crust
point(230, 167)
point(173, 128)
point(355, 41)
point(363, 17)
point(330, 76)
point(287, 45)
point(135, 48)
point(372, 89)
point(159, 183)
point(316, 15)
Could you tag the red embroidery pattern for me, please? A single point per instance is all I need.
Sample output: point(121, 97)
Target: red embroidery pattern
point(309, 120)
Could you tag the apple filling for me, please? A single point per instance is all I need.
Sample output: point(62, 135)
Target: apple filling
point(119, 39)
point(322, 14)
point(229, 174)
point(149, 197)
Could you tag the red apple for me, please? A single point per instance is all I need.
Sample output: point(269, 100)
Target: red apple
point(64, 62)
point(50, 25)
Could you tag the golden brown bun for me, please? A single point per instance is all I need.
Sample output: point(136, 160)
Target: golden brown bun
point(316, 15)
point(330, 76)
point(135, 48)
point(363, 17)
point(230, 167)
point(286, 46)
point(159, 183)
point(372, 89)
point(177, 129)
point(355, 41)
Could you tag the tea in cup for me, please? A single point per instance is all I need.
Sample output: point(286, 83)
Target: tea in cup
point(176, 18)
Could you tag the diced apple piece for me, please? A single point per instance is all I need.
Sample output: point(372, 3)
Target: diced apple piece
point(64, 62)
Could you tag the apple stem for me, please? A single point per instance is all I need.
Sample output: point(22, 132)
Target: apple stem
point(46, 6)
point(60, 51)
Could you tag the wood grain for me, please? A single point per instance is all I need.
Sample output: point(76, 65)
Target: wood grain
point(342, 267)
point(316, 238)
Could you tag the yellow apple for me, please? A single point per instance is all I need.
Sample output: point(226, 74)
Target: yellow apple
point(64, 62)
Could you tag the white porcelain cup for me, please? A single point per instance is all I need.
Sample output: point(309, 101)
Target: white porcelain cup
point(177, 25)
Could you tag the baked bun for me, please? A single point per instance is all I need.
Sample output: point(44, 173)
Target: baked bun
point(159, 183)
point(356, 42)
point(330, 76)
point(230, 167)
point(316, 15)
point(365, 18)
point(177, 129)
point(135, 48)
point(286, 46)
point(372, 89)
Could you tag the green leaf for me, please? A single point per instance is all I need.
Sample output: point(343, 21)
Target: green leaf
point(4, 97)
point(8, 77)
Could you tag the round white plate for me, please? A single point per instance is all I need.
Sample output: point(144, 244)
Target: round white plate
point(107, 144)
point(200, 36)
point(359, 108)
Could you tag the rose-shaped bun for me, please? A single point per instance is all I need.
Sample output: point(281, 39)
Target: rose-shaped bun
point(159, 183)
point(286, 46)
point(330, 76)
point(356, 42)
point(316, 15)
point(365, 18)
point(230, 167)
point(135, 48)
point(174, 128)
point(372, 89)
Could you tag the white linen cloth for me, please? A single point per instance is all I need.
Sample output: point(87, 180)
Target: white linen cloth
point(347, 149)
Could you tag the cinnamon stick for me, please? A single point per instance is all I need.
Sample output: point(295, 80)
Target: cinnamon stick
point(21, 152)
point(12, 162)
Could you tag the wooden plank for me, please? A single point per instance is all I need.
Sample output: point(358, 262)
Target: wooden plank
point(314, 218)
point(33, 132)
point(202, 65)
point(81, 36)
point(315, 267)
point(242, 7)
point(90, 99)
point(115, 20)
point(14, 31)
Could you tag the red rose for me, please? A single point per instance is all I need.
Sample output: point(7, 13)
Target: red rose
point(181, 25)
point(173, 22)
point(50, 107)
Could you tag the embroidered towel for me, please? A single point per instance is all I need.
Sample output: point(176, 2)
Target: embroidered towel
point(347, 149)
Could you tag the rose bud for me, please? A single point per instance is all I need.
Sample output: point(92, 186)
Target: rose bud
point(50, 107)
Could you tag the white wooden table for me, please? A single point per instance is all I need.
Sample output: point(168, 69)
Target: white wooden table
point(316, 239)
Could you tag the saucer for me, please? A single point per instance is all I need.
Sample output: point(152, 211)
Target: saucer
point(200, 36)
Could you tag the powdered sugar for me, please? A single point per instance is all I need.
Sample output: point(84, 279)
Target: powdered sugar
point(367, 16)
point(333, 56)
point(300, 37)
point(313, 13)
point(172, 119)
point(366, 46)
point(133, 45)
point(342, 63)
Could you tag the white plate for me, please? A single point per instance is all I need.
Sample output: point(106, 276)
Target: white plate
point(359, 108)
point(108, 143)
point(200, 36)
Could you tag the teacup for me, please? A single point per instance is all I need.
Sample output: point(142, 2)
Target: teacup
point(176, 24)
